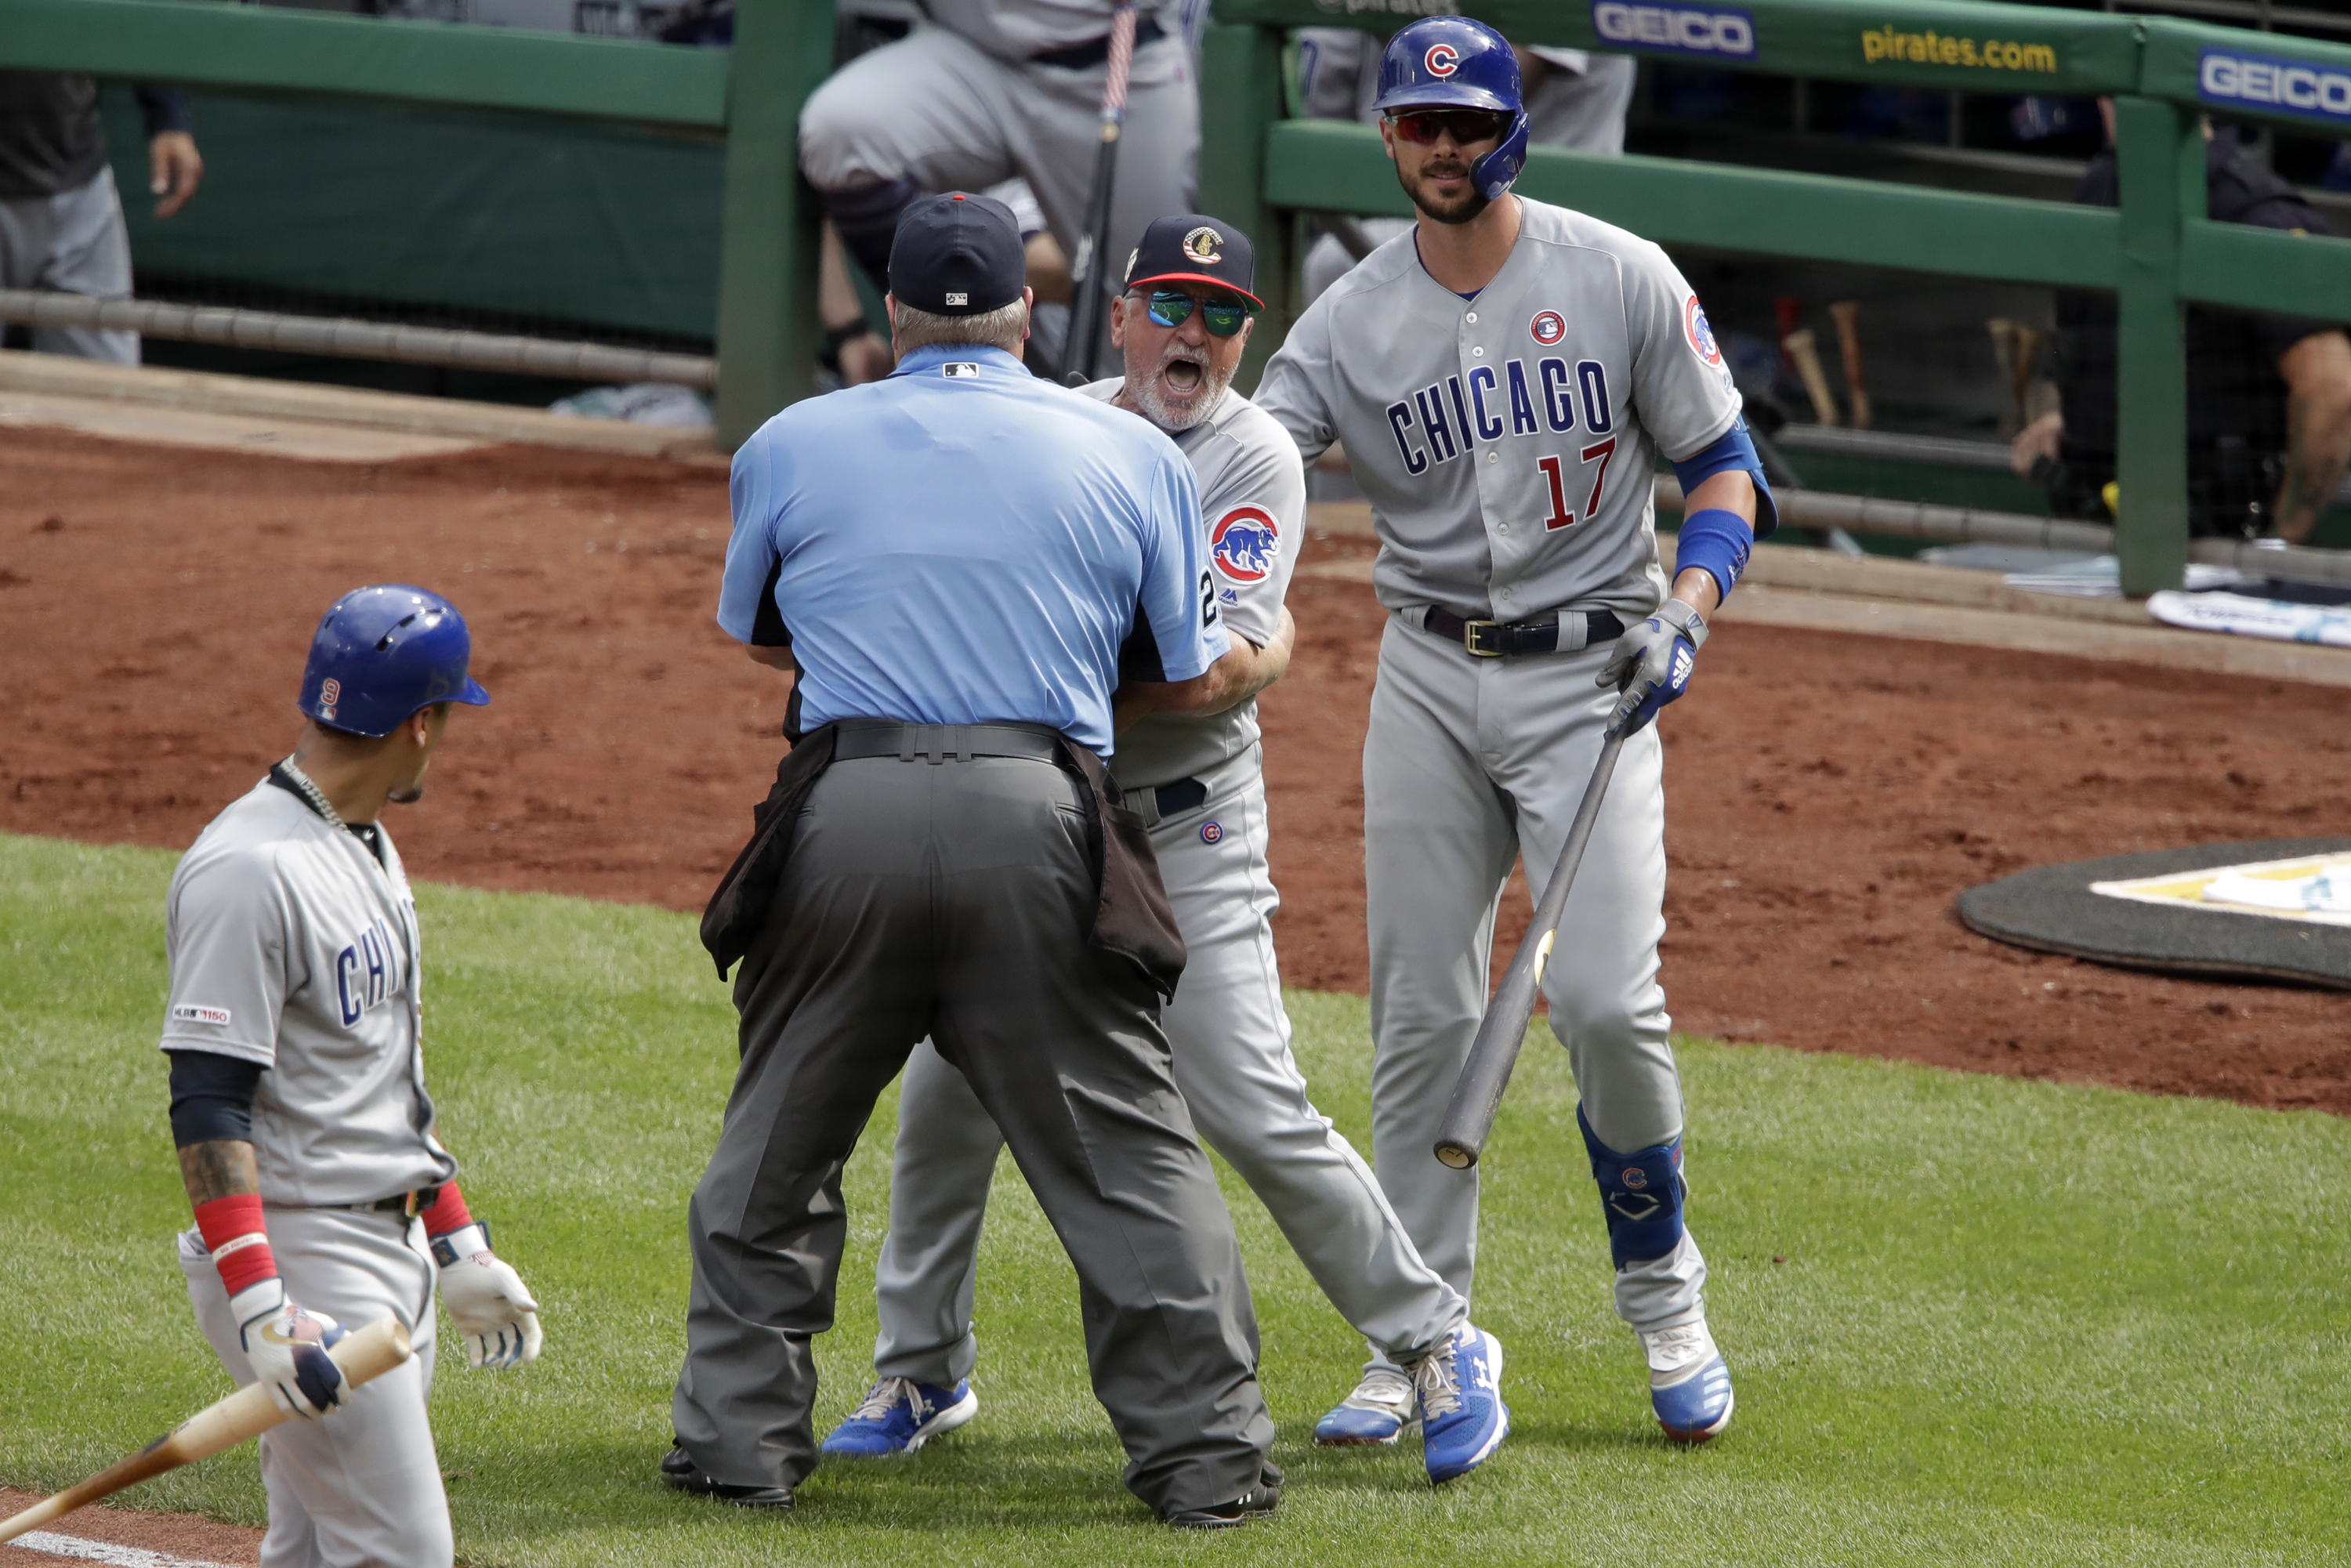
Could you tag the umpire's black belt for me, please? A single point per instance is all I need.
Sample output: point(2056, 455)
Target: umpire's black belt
point(1094, 51)
point(937, 743)
point(1509, 639)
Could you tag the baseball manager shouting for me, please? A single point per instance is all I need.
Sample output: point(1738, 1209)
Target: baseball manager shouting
point(960, 560)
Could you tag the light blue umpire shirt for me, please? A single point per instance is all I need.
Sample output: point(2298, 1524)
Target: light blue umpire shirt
point(964, 543)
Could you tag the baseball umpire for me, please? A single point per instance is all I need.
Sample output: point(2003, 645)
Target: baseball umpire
point(1500, 377)
point(1198, 779)
point(306, 1137)
point(986, 89)
point(959, 559)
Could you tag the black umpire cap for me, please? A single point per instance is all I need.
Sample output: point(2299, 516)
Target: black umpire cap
point(1192, 247)
point(957, 254)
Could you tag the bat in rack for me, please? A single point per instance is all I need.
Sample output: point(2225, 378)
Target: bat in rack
point(1094, 242)
point(1804, 348)
point(1846, 314)
point(364, 1355)
point(1477, 1093)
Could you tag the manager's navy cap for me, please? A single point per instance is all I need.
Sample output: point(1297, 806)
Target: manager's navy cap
point(957, 254)
point(1192, 247)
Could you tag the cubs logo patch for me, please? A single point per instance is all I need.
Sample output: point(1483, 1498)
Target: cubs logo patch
point(1201, 245)
point(1635, 1177)
point(1246, 542)
point(1442, 60)
point(190, 1012)
point(1700, 335)
point(1548, 328)
point(1212, 833)
point(958, 369)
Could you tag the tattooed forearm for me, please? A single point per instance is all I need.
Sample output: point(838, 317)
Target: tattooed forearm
point(2317, 373)
point(219, 1167)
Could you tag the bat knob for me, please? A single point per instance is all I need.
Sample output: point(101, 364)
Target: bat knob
point(1458, 1156)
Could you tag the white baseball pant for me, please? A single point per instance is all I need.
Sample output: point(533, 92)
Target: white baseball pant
point(1467, 762)
point(1230, 1040)
point(359, 1487)
point(72, 242)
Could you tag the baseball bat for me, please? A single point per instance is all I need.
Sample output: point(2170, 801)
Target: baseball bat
point(1805, 350)
point(1094, 242)
point(1847, 317)
point(1477, 1093)
point(364, 1355)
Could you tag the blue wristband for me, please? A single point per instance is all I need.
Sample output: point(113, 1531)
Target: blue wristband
point(1716, 540)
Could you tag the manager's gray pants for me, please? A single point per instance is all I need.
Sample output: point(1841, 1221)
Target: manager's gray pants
point(1232, 1043)
point(1467, 763)
point(952, 899)
point(72, 242)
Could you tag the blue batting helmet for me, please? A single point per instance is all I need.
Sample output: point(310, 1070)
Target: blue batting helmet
point(1454, 62)
point(382, 652)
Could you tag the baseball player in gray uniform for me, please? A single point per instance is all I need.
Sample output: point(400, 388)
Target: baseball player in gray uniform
point(1500, 377)
point(1199, 781)
point(322, 1196)
point(991, 89)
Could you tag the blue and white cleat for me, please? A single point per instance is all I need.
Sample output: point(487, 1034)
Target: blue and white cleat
point(898, 1416)
point(1689, 1383)
point(1383, 1405)
point(1462, 1417)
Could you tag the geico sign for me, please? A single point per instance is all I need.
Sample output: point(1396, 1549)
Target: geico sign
point(1687, 30)
point(2225, 77)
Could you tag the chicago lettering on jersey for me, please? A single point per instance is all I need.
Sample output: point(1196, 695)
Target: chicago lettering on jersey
point(1439, 423)
point(367, 971)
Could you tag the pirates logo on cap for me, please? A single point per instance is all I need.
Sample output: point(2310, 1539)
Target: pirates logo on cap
point(1201, 245)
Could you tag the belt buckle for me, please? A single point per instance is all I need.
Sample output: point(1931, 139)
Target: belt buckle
point(1470, 639)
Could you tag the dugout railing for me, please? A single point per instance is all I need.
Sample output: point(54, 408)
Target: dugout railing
point(1259, 167)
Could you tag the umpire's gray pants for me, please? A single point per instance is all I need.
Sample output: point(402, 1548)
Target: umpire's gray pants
point(1231, 1038)
point(72, 242)
point(952, 899)
point(1467, 762)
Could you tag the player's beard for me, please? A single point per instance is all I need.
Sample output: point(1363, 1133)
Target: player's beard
point(1167, 416)
point(1461, 209)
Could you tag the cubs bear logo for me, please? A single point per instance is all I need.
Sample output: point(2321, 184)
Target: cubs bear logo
point(1548, 328)
point(1246, 542)
point(1700, 335)
point(1442, 60)
point(1201, 245)
point(1212, 832)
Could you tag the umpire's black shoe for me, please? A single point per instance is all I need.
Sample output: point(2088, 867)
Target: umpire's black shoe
point(1258, 1501)
point(678, 1473)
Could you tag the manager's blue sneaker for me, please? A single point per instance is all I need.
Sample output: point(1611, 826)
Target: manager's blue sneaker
point(898, 1416)
point(1462, 1417)
point(1383, 1405)
point(1689, 1383)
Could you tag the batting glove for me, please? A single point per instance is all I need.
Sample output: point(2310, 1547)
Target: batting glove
point(486, 1300)
point(287, 1346)
point(1652, 664)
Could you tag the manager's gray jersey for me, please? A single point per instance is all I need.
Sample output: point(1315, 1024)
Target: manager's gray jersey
point(1506, 442)
point(1253, 501)
point(292, 948)
point(1017, 29)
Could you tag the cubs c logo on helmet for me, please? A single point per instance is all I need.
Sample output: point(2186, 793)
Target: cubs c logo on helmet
point(1201, 245)
point(1548, 328)
point(1246, 542)
point(1442, 60)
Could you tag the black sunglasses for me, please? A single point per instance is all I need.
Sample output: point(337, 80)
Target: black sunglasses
point(1466, 125)
point(1173, 307)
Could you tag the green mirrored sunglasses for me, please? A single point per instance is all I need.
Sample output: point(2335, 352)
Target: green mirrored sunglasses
point(1173, 307)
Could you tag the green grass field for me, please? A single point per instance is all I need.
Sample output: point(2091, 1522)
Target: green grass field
point(2015, 1322)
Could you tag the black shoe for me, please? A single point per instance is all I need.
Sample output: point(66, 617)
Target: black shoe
point(679, 1474)
point(1255, 1503)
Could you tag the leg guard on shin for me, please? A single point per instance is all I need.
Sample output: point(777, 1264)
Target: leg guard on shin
point(867, 216)
point(1640, 1196)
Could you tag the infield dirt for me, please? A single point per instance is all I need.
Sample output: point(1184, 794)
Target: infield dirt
point(1828, 796)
